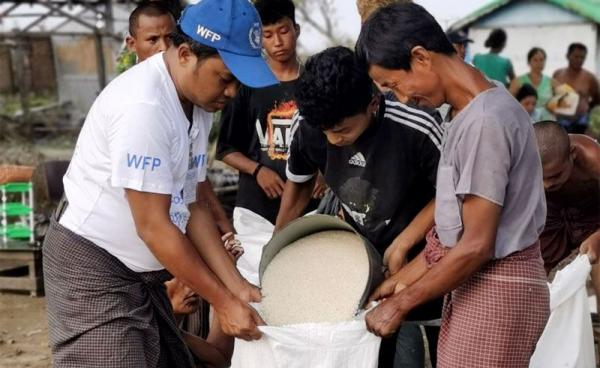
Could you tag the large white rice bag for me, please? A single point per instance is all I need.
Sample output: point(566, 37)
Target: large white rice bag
point(567, 340)
point(324, 345)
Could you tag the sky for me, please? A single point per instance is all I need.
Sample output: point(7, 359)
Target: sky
point(348, 22)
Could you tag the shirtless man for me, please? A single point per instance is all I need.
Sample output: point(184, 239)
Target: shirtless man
point(571, 165)
point(586, 85)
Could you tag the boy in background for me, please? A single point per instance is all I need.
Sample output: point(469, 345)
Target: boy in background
point(255, 130)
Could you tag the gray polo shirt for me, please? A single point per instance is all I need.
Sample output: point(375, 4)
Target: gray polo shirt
point(489, 150)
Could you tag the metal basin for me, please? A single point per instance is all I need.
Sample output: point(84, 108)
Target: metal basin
point(308, 225)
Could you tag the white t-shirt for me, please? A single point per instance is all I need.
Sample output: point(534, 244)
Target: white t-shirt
point(136, 136)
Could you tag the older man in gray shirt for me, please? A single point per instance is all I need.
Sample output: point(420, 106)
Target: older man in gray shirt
point(490, 207)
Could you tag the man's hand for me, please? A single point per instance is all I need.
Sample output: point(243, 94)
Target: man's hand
point(390, 286)
point(239, 320)
point(248, 293)
point(233, 246)
point(395, 256)
point(270, 182)
point(320, 188)
point(591, 247)
point(385, 319)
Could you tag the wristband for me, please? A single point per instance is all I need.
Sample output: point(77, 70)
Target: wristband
point(258, 167)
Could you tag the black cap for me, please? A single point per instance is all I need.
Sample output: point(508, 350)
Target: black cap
point(458, 37)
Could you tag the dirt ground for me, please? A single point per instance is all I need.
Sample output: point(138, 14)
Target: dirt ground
point(23, 332)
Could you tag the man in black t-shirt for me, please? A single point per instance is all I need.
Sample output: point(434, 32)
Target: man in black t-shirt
point(377, 155)
point(255, 127)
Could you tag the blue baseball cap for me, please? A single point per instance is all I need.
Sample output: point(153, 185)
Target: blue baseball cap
point(233, 28)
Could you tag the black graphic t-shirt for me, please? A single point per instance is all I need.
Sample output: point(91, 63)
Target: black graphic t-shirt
point(384, 179)
point(257, 124)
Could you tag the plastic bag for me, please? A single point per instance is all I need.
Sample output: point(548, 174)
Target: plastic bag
point(323, 345)
point(253, 231)
point(567, 340)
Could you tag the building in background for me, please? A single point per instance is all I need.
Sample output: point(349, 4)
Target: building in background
point(66, 47)
point(549, 24)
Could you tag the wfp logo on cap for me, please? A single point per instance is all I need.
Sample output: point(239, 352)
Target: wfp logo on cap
point(255, 36)
point(207, 34)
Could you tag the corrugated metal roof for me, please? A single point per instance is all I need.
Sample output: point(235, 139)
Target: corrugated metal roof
point(589, 9)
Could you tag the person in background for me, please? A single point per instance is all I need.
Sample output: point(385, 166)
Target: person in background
point(255, 126)
point(366, 7)
point(489, 206)
point(459, 40)
point(527, 97)
point(150, 26)
point(493, 65)
point(571, 164)
point(584, 82)
point(544, 85)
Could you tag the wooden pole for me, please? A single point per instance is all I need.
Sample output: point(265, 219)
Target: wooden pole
point(100, 62)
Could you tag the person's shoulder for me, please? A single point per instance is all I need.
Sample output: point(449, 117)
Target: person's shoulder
point(411, 120)
point(496, 107)
point(584, 141)
point(141, 84)
point(558, 73)
point(300, 125)
point(588, 152)
point(589, 75)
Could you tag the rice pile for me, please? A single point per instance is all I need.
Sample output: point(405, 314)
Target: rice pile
point(318, 278)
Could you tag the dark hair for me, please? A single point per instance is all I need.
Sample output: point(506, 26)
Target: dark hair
point(552, 140)
point(150, 9)
point(332, 87)
point(576, 46)
point(496, 39)
point(201, 51)
point(526, 90)
point(272, 11)
point(390, 33)
point(533, 51)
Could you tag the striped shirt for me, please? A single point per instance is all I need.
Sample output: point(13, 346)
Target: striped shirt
point(384, 178)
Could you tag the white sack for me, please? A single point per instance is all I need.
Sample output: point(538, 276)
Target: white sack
point(567, 340)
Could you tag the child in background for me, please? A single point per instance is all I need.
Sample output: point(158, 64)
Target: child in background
point(527, 97)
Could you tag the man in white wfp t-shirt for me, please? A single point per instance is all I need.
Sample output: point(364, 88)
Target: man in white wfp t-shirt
point(131, 190)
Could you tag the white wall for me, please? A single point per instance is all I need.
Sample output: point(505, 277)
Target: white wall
point(553, 39)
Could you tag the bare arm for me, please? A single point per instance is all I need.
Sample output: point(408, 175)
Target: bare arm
point(239, 161)
point(174, 251)
point(270, 182)
point(395, 255)
point(205, 236)
point(588, 154)
point(295, 199)
point(514, 87)
point(208, 354)
point(207, 194)
point(474, 249)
